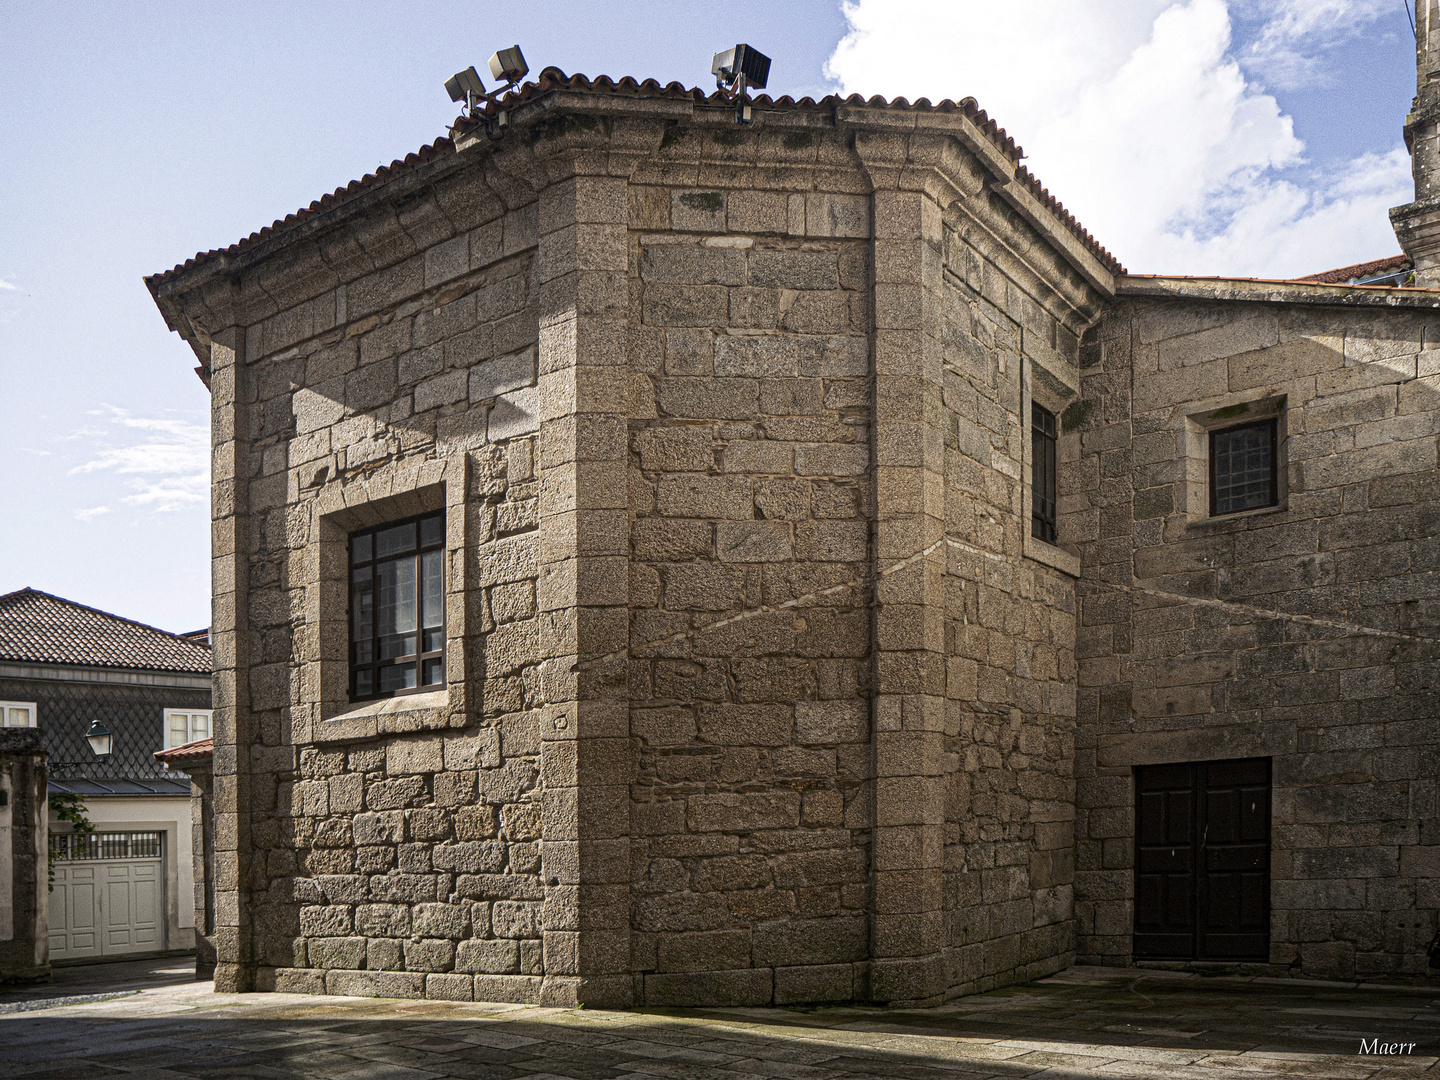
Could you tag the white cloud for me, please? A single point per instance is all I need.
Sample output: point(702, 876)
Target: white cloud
point(6, 286)
point(1139, 117)
point(91, 514)
point(166, 462)
point(1286, 50)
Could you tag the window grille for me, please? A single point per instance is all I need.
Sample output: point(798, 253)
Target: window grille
point(76, 847)
point(397, 608)
point(1242, 468)
point(1044, 429)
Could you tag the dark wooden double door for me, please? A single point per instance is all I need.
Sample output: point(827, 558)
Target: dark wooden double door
point(1202, 860)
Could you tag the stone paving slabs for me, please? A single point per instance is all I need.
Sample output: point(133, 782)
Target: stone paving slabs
point(1085, 1022)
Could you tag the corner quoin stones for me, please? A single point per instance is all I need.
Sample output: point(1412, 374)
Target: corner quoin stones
point(756, 688)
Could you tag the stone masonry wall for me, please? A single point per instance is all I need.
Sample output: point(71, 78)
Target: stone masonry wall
point(385, 856)
point(1304, 633)
point(755, 690)
point(1009, 630)
point(750, 502)
point(24, 858)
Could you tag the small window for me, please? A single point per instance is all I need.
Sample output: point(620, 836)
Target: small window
point(186, 725)
point(1242, 468)
point(1043, 431)
point(397, 608)
point(17, 714)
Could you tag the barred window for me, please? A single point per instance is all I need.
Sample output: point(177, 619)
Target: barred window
point(1242, 468)
point(397, 608)
point(1043, 431)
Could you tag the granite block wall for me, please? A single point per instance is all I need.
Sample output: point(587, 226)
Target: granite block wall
point(750, 574)
point(1009, 606)
point(1304, 632)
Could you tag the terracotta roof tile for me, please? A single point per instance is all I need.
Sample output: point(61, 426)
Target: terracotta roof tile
point(190, 751)
point(1345, 274)
point(38, 628)
point(552, 79)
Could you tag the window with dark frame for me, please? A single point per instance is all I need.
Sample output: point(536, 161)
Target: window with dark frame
point(397, 608)
point(1243, 468)
point(1043, 431)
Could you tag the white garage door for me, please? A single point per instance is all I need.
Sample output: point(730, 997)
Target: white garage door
point(108, 897)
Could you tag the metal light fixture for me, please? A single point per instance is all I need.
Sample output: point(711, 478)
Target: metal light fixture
point(466, 86)
point(738, 69)
point(100, 739)
point(507, 65)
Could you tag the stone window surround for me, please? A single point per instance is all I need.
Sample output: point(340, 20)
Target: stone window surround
point(1052, 392)
point(1196, 423)
point(342, 508)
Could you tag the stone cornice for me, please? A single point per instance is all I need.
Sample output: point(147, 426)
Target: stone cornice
point(538, 120)
point(1256, 290)
point(73, 673)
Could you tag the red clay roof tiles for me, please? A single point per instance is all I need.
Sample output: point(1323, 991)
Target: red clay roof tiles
point(190, 751)
point(1344, 274)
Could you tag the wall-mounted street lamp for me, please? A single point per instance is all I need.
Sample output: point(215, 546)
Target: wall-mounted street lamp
point(101, 743)
point(100, 739)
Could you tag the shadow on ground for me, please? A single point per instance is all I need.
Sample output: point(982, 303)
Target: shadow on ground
point(1082, 1023)
point(93, 981)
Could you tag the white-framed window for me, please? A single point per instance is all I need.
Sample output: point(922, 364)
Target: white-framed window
point(17, 714)
point(186, 725)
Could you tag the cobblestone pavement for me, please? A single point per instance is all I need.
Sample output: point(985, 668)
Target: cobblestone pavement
point(1084, 1022)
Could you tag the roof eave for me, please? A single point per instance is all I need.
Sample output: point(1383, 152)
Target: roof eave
point(1276, 291)
point(979, 134)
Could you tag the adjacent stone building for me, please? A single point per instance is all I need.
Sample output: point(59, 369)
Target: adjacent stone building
point(665, 561)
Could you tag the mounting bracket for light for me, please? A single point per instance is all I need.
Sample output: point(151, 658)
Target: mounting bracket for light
point(506, 64)
point(738, 69)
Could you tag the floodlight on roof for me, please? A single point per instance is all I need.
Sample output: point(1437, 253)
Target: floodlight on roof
point(508, 65)
point(735, 70)
point(466, 86)
point(742, 62)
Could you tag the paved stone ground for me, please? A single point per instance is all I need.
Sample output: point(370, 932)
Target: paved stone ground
point(89, 982)
point(1082, 1023)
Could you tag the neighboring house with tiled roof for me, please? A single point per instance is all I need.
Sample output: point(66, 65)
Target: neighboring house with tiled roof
point(66, 667)
point(38, 628)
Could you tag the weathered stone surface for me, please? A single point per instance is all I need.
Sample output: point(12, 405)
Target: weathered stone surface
point(757, 684)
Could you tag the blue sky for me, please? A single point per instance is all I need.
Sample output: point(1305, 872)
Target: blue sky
point(1249, 137)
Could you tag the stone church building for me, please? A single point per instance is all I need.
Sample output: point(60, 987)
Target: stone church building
point(665, 561)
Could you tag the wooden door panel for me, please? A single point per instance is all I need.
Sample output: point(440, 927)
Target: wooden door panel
point(1234, 879)
point(1202, 860)
point(1164, 861)
point(74, 913)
